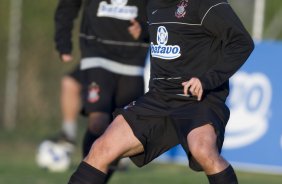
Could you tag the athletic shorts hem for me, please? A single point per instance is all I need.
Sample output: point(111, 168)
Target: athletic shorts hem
point(136, 159)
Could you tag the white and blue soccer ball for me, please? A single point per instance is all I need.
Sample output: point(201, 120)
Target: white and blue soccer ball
point(55, 157)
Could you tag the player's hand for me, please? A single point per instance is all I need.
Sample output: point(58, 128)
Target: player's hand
point(194, 86)
point(66, 58)
point(134, 29)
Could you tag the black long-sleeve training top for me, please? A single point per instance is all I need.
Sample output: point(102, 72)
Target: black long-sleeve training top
point(104, 29)
point(196, 38)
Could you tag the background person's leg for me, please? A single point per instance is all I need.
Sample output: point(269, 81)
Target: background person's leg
point(70, 106)
point(97, 124)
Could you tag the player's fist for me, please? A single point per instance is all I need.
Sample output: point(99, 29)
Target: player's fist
point(134, 29)
point(66, 58)
point(194, 86)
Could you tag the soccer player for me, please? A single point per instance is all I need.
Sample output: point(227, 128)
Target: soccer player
point(114, 44)
point(196, 46)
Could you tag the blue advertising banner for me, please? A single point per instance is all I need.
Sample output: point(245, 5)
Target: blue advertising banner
point(253, 139)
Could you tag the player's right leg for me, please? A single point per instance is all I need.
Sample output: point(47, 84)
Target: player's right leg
point(117, 141)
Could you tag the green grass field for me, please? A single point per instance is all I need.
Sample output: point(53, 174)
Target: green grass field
point(17, 166)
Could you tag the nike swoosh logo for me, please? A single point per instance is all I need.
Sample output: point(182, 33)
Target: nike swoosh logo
point(153, 12)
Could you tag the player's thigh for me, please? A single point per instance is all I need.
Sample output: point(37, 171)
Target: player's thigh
point(202, 140)
point(118, 140)
point(71, 81)
point(129, 88)
point(70, 84)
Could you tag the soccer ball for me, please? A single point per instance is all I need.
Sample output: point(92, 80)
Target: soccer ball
point(53, 156)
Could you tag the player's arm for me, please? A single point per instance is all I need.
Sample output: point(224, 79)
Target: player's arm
point(138, 31)
point(236, 44)
point(139, 26)
point(134, 29)
point(66, 12)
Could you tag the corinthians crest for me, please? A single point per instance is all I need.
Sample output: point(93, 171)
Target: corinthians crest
point(93, 92)
point(181, 11)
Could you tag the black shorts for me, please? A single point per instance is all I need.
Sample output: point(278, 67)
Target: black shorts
point(161, 121)
point(104, 91)
point(76, 74)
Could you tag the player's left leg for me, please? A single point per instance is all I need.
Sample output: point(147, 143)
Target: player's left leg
point(202, 143)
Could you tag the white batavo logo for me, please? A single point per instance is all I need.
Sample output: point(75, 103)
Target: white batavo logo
point(119, 2)
point(249, 101)
point(161, 50)
point(117, 9)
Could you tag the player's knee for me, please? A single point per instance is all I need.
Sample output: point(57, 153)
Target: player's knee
point(203, 152)
point(202, 144)
point(198, 151)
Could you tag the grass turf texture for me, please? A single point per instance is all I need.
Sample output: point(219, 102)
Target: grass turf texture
point(17, 166)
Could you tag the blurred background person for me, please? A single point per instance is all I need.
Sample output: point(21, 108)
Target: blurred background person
point(113, 45)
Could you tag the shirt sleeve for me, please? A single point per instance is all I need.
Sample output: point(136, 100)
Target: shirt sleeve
point(142, 19)
point(221, 22)
point(66, 12)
